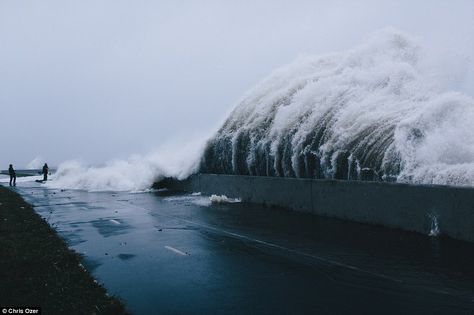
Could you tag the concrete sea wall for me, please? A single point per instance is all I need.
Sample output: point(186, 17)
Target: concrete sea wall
point(419, 208)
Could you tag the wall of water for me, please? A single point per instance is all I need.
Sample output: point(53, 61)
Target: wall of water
point(370, 111)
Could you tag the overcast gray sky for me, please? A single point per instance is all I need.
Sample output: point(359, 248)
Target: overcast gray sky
point(98, 80)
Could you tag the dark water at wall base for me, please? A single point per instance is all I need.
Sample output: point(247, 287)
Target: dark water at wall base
point(167, 253)
point(422, 208)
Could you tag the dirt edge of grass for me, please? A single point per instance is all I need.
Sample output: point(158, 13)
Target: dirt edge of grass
point(38, 269)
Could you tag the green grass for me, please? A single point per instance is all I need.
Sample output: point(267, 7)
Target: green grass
point(38, 269)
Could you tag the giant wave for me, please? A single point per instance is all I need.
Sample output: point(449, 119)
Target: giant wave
point(370, 110)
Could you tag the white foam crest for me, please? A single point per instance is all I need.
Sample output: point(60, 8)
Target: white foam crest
point(374, 106)
point(136, 174)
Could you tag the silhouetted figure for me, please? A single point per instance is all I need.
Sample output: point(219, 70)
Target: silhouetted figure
point(45, 172)
point(12, 173)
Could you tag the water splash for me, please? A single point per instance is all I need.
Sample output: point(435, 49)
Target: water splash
point(136, 174)
point(223, 199)
point(434, 231)
point(332, 116)
point(36, 163)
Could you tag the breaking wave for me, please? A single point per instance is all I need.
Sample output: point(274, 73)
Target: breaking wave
point(368, 113)
point(136, 174)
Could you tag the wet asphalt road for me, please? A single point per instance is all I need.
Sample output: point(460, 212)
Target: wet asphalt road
point(169, 253)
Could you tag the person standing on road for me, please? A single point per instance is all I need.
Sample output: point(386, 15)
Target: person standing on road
point(12, 173)
point(45, 171)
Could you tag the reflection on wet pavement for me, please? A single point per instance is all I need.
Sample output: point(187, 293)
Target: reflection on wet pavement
point(110, 227)
point(175, 253)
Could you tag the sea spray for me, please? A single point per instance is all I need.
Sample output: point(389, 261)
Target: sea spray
point(434, 230)
point(135, 174)
point(223, 199)
point(367, 113)
point(331, 116)
point(36, 163)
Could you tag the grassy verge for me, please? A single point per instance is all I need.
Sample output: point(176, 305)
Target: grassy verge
point(38, 269)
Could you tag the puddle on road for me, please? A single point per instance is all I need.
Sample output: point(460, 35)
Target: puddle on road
point(110, 226)
point(126, 256)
